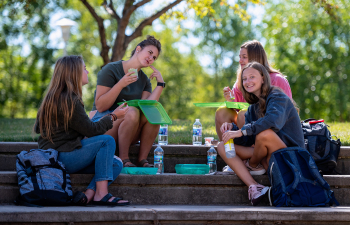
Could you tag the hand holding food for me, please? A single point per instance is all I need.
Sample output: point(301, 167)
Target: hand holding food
point(121, 110)
point(228, 94)
point(128, 79)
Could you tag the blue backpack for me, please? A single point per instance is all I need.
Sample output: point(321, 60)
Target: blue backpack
point(296, 181)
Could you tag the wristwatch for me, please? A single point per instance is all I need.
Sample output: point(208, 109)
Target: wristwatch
point(161, 84)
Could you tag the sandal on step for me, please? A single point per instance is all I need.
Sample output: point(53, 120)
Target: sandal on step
point(115, 202)
point(125, 161)
point(143, 162)
point(79, 199)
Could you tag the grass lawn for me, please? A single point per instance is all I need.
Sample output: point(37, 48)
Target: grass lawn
point(180, 132)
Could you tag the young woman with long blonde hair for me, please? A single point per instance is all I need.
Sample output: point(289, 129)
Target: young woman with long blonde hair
point(63, 125)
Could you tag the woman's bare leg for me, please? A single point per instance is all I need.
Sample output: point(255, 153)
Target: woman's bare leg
point(124, 131)
point(237, 164)
point(266, 143)
point(147, 133)
point(223, 115)
point(241, 118)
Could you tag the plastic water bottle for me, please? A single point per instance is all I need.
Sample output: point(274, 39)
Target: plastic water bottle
point(211, 156)
point(158, 159)
point(197, 133)
point(163, 135)
point(230, 149)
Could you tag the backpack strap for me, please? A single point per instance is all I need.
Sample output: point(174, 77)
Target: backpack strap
point(296, 173)
point(30, 171)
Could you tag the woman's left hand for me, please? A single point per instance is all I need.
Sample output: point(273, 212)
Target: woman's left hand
point(230, 135)
point(156, 74)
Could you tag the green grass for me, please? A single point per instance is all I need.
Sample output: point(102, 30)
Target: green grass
point(180, 132)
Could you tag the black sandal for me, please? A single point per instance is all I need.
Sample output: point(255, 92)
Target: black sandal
point(115, 202)
point(143, 162)
point(79, 199)
point(125, 161)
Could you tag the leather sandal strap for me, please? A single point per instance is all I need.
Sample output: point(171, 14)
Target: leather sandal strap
point(143, 162)
point(106, 197)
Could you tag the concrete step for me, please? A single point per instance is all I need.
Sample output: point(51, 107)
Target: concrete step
point(174, 154)
point(172, 189)
point(174, 214)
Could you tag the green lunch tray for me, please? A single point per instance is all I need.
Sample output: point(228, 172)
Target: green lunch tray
point(231, 105)
point(152, 109)
point(192, 168)
point(139, 170)
point(134, 103)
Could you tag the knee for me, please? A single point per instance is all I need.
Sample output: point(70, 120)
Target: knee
point(221, 148)
point(133, 115)
point(264, 135)
point(220, 112)
point(241, 118)
point(109, 141)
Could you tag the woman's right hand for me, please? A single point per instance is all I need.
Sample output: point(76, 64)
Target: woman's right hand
point(225, 127)
point(121, 110)
point(227, 93)
point(127, 79)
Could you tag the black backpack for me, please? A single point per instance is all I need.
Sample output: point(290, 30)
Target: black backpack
point(296, 181)
point(42, 179)
point(319, 143)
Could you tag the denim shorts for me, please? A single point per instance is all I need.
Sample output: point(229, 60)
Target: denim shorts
point(98, 115)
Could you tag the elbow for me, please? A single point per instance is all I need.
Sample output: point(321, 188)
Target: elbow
point(100, 107)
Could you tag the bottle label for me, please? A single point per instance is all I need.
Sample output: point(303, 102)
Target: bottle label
point(197, 131)
point(211, 158)
point(158, 159)
point(229, 146)
point(163, 131)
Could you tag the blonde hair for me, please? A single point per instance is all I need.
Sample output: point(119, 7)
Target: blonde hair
point(256, 52)
point(64, 90)
point(265, 89)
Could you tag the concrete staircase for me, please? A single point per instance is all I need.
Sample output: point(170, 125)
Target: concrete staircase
point(172, 198)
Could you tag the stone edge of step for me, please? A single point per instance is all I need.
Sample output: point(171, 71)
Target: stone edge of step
point(11, 213)
point(16, 147)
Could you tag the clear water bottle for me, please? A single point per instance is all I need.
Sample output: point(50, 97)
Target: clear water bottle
point(163, 135)
point(158, 159)
point(211, 156)
point(197, 133)
point(230, 149)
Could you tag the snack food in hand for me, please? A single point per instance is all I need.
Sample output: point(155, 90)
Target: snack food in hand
point(135, 73)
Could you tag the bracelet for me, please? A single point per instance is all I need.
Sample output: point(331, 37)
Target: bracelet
point(114, 117)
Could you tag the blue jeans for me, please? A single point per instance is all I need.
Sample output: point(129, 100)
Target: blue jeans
point(96, 156)
point(98, 115)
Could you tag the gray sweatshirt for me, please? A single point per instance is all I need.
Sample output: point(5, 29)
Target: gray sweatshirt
point(281, 117)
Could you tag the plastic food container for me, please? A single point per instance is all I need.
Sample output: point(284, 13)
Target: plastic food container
point(152, 109)
point(140, 170)
point(231, 105)
point(134, 103)
point(192, 168)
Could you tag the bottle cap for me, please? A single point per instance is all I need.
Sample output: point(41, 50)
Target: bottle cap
point(197, 120)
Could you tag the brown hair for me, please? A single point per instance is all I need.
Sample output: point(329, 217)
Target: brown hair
point(266, 87)
point(256, 52)
point(150, 40)
point(64, 90)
